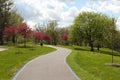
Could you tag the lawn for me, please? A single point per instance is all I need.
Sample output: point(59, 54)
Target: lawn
point(11, 61)
point(91, 65)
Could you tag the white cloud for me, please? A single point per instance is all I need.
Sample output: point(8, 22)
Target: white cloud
point(31, 24)
point(36, 11)
point(105, 6)
point(118, 23)
point(111, 6)
point(87, 9)
point(66, 0)
point(69, 15)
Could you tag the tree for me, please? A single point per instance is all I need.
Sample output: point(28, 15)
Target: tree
point(64, 30)
point(91, 27)
point(47, 38)
point(25, 31)
point(15, 18)
point(111, 36)
point(52, 31)
point(116, 40)
point(76, 35)
point(64, 38)
point(38, 36)
point(5, 12)
point(11, 33)
point(40, 28)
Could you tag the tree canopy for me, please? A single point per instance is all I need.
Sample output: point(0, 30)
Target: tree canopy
point(90, 28)
point(8, 17)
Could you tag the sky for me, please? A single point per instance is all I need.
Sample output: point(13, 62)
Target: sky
point(64, 11)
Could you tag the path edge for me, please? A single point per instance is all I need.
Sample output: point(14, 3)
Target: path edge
point(65, 61)
point(23, 67)
point(73, 73)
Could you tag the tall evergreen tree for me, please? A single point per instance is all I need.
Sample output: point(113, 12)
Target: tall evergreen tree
point(5, 12)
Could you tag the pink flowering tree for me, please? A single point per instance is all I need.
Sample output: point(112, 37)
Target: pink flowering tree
point(10, 33)
point(47, 38)
point(25, 32)
point(38, 36)
point(64, 38)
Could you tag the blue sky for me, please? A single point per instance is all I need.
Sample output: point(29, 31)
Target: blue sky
point(64, 11)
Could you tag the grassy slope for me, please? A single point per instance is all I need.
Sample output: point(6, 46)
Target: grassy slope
point(91, 66)
point(10, 62)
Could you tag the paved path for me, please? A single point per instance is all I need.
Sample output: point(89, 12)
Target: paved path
point(48, 67)
point(2, 49)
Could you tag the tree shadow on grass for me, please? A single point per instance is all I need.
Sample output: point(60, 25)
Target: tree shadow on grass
point(81, 49)
point(110, 53)
point(113, 64)
point(100, 51)
point(27, 47)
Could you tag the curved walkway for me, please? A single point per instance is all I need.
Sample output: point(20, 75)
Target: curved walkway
point(48, 67)
point(2, 49)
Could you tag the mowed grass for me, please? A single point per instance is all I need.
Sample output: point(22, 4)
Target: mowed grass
point(91, 65)
point(11, 61)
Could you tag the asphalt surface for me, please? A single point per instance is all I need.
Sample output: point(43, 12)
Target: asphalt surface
point(51, 66)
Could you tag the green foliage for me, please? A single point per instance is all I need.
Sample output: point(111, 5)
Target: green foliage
point(11, 62)
point(90, 28)
point(116, 41)
point(15, 19)
point(5, 7)
point(8, 17)
point(52, 30)
point(91, 65)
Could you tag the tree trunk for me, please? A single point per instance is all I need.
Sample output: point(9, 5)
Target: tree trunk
point(24, 42)
point(13, 40)
point(1, 38)
point(1, 41)
point(92, 46)
point(98, 47)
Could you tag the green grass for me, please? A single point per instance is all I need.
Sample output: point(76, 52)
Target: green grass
point(91, 65)
point(11, 61)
